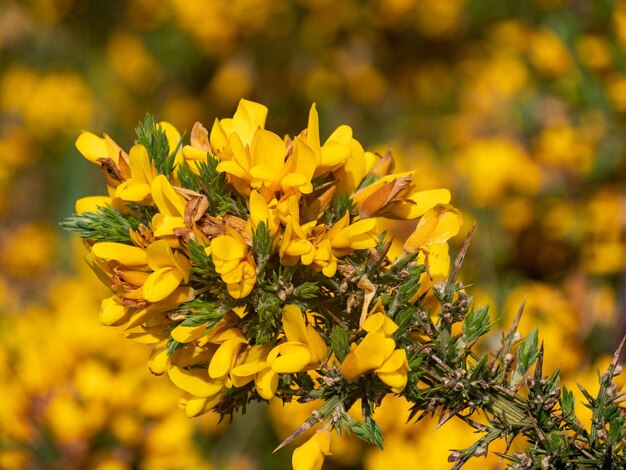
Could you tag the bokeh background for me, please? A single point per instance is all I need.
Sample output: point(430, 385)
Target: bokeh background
point(518, 107)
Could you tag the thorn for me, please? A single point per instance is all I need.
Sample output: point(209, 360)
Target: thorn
point(517, 319)
point(297, 433)
point(458, 262)
point(511, 333)
point(539, 365)
point(618, 353)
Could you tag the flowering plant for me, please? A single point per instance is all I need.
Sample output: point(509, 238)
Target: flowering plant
point(257, 266)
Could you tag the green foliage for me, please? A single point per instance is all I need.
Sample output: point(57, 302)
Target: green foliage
point(105, 225)
point(202, 265)
point(527, 354)
point(201, 312)
point(476, 324)
point(339, 205)
point(221, 199)
point(154, 139)
point(188, 179)
point(340, 342)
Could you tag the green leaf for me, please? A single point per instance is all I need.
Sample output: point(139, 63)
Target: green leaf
point(200, 312)
point(154, 139)
point(188, 179)
point(567, 402)
point(340, 342)
point(214, 184)
point(306, 291)
point(476, 324)
point(339, 205)
point(173, 346)
point(527, 354)
point(262, 245)
point(105, 225)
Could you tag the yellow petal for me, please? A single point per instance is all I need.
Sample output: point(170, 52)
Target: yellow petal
point(293, 324)
point(294, 357)
point(195, 381)
point(317, 346)
point(92, 203)
point(198, 406)
point(166, 198)
point(310, 455)
point(125, 254)
point(422, 201)
point(131, 191)
point(313, 134)
point(268, 151)
point(396, 361)
point(92, 147)
point(436, 226)
point(266, 383)
point(225, 357)
point(161, 284)
point(187, 334)
point(159, 361)
point(368, 355)
point(227, 248)
point(111, 312)
point(172, 134)
point(396, 380)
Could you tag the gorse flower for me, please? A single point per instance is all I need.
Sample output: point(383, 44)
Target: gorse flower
point(249, 261)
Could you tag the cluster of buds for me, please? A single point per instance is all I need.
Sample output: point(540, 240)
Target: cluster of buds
point(257, 266)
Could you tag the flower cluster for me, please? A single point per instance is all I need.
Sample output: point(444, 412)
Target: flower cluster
point(254, 264)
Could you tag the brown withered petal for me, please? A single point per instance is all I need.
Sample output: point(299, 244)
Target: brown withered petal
point(199, 137)
point(111, 171)
point(141, 237)
point(195, 209)
point(185, 234)
point(385, 166)
point(389, 192)
point(211, 226)
point(133, 303)
point(123, 166)
point(369, 291)
point(239, 225)
point(316, 203)
point(186, 194)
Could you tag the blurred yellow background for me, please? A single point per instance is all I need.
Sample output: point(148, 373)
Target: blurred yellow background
point(518, 107)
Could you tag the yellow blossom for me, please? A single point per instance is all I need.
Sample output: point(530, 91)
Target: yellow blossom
point(310, 455)
point(345, 237)
point(233, 262)
point(377, 352)
point(304, 348)
point(138, 187)
point(171, 207)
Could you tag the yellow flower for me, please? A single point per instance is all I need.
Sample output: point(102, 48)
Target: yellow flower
point(138, 187)
point(254, 366)
point(248, 117)
point(234, 264)
point(346, 238)
point(310, 455)
point(94, 148)
point(199, 148)
point(395, 196)
point(377, 352)
point(262, 211)
point(304, 349)
point(439, 224)
point(171, 207)
point(335, 150)
point(170, 270)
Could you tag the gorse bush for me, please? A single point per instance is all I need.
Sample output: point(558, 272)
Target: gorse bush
point(258, 267)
